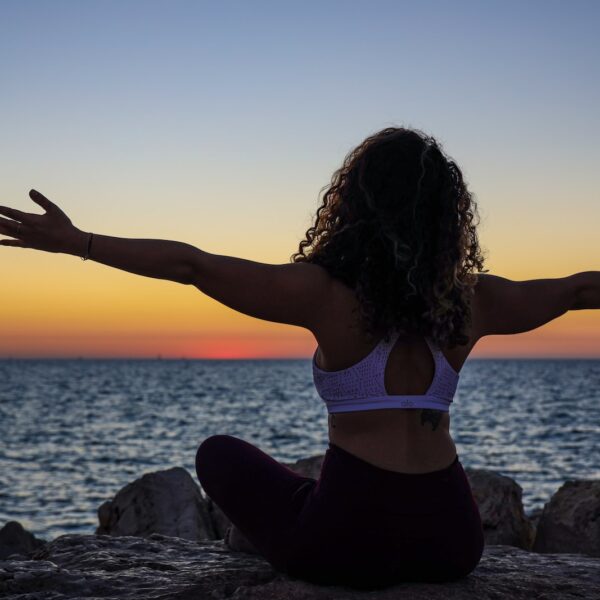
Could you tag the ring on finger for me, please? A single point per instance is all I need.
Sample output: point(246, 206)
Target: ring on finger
point(19, 228)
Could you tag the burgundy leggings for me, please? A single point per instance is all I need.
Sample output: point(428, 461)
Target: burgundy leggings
point(357, 525)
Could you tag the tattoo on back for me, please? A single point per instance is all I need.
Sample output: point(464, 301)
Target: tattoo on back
point(431, 416)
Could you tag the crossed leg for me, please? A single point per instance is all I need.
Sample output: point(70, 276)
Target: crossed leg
point(260, 496)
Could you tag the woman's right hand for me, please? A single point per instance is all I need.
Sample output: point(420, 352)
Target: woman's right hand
point(50, 232)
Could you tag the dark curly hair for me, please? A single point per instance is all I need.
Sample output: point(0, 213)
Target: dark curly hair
point(397, 224)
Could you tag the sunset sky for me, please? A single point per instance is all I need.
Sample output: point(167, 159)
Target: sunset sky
point(217, 124)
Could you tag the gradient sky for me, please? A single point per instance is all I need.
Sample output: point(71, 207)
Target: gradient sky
point(217, 124)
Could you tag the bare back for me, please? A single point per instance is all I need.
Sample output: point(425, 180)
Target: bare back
point(404, 440)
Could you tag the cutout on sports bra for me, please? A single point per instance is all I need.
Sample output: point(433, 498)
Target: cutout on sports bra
point(387, 373)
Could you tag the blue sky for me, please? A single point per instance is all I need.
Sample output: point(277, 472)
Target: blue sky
point(181, 95)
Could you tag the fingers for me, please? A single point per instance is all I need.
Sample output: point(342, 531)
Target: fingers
point(13, 213)
point(19, 215)
point(42, 200)
point(19, 243)
point(8, 227)
point(7, 223)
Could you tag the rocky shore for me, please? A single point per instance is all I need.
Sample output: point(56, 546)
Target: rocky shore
point(162, 537)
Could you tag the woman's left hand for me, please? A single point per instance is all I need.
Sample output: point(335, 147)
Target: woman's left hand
point(51, 232)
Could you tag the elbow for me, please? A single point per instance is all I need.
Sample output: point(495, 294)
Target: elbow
point(192, 267)
point(186, 275)
point(586, 290)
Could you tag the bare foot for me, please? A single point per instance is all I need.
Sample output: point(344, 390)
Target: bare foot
point(236, 540)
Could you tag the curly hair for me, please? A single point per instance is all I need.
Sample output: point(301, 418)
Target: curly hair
point(397, 224)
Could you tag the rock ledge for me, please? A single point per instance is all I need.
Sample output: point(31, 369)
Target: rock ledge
point(161, 567)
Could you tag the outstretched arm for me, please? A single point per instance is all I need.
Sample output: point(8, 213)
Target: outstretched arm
point(54, 232)
point(292, 293)
point(502, 306)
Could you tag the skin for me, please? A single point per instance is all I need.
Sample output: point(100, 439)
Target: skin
point(304, 295)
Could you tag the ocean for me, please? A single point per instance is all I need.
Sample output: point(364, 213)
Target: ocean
point(73, 432)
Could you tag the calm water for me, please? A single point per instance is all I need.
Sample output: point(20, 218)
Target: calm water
point(73, 432)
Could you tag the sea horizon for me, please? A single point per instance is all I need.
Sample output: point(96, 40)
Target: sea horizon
point(270, 358)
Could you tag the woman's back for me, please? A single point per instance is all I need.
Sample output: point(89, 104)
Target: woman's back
point(419, 440)
point(397, 439)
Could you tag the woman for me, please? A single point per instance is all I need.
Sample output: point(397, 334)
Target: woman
point(389, 281)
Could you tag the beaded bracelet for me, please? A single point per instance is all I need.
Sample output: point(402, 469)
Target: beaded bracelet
point(89, 247)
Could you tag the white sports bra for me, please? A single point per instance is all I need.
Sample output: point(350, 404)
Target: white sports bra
point(361, 386)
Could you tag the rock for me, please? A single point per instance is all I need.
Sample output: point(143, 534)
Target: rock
point(160, 567)
point(89, 566)
point(166, 502)
point(14, 539)
point(499, 499)
point(534, 516)
point(570, 521)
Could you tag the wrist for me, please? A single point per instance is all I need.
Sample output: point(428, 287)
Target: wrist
point(76, 243)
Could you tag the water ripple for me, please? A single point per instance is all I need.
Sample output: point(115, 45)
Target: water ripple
point(73, 432)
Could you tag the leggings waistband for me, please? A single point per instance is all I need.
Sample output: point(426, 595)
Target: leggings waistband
point(366, 467)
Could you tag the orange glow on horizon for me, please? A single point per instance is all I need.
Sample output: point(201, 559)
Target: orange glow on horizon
point(555, 340)
point(69, 309)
